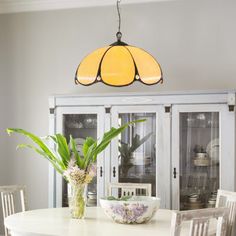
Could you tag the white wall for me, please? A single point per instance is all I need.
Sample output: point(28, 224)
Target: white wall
point(193, 40)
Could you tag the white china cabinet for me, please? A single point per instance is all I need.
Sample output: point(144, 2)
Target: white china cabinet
point(186, 148)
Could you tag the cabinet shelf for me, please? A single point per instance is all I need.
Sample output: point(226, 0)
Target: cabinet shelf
point(199, 127)
point(144, 179)
point(82, 128)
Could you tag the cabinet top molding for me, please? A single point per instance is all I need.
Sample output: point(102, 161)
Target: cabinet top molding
point(13, 6)
point(190, 97)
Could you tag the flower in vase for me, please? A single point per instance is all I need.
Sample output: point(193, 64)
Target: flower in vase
point(75, 176)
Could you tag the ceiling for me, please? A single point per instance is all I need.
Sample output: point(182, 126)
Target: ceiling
point(10, 6)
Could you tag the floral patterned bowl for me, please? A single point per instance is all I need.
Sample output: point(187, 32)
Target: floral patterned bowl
point(137, 210)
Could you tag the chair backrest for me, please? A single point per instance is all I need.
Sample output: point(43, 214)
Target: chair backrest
point(131, 189)
point(8, 199)
point(199, 221)
point(228, 199)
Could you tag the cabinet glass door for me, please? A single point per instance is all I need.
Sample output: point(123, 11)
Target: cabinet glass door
point(199, 159)
point(136, 152)
point(80, 126)
point(80, 123)
point(196, 160)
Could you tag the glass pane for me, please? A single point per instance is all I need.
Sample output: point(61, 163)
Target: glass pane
point(81, 126)
point(199, 159)
point(137, 150)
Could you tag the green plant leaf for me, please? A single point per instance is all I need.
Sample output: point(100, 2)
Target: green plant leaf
point(90, 155)
point(124, 198)
point(87, 143)
point(35, 139)
point(58, 165)
point(45, 149)
point(112, 133)
point(137, 142)
point(63, 149)
point(126, 149)
point(75, 152)
point(60, 160)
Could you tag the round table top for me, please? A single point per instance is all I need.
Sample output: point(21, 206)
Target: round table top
point(57, 221)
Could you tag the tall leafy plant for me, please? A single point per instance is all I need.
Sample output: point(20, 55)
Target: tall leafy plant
point(126, 150)
point(66, 153)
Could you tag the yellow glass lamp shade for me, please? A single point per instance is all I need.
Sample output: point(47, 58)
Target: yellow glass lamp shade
point(88, 68)
point(118, 65)
point(149, 70)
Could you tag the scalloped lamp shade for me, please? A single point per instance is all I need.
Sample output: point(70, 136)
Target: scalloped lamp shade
point(118, 65)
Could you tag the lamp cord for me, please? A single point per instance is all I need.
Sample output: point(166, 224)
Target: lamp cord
point(118, 34)
point(118, 11)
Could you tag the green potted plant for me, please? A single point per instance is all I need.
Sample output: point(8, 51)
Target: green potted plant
point(78, 170)
point(126, 151)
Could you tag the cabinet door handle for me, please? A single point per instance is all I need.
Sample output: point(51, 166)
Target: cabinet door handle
point(114, 171)
point(101, 171)
point(174, 173)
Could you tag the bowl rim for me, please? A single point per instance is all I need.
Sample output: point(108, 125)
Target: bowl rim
point(148, 199)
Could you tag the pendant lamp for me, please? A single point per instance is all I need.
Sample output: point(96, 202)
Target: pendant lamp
point(118, 64)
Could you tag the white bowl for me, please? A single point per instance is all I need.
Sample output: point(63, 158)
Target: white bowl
point(193, 200)
point(201, 155)
point(211, 202)
point(137, 210)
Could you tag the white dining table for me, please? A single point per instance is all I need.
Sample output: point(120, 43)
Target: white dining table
point(57, 221)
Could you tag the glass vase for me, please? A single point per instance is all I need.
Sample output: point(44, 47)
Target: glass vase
point(77, 200)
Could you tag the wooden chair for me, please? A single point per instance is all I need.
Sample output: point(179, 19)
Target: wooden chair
point(199, 221)
point(228, 199)
point(131, 189)
point(8, 199)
